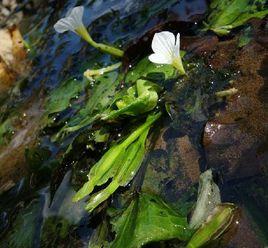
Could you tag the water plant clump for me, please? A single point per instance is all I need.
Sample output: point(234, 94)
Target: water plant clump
point(119, 158)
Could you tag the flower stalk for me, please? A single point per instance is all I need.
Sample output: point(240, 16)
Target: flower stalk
point(89, 74)
point(73, 22)
point(82, 32)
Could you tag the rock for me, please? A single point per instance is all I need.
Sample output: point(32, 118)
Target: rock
point(13, 62)
point(12, 156)
point(232, 151)
point(173, 167)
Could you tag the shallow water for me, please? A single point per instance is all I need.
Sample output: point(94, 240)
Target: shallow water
point(41, 197)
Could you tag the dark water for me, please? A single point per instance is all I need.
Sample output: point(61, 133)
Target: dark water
point(37, 211)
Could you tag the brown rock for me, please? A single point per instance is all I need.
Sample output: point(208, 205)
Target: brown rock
point(235, 140)
point(13, 62)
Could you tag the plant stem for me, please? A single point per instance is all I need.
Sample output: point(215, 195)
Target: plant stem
point(82, 31)
point(91, 73)
point(177, 63)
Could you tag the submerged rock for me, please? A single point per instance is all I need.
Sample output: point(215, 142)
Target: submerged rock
point(235, 139)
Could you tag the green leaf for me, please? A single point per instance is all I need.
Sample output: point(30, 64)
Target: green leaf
point(60, 97)
point(99, 99)
point(245, 37)
point(150, 71)
point(148, 219)
point(24, 228)
point(138, 100)
point(120, 162)
point(228, 14)
point(215, 226)
point(5, 132)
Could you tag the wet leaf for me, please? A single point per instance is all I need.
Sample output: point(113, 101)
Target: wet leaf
point(5, 131)
point(228, 14)
point(24, 228)
point(60, 97)
point(139, 99)
point(120, 162)
point(100, 97)
point(150, 71)
point(148, 219)
point(217, 224)
point(208, 198)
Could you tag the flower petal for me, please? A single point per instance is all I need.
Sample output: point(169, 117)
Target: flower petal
point(158, 58)
point(72, 21)
point(177, 46)
point(62, 25)
point(76, 16)
point(164, 43)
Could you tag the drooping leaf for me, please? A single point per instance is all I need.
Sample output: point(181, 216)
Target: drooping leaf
point(139, 99)
point(228, 14)
point(120, 162)
point(148, 218)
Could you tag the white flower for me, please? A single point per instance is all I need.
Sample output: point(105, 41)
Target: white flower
point(167, 50)
point(72, 21)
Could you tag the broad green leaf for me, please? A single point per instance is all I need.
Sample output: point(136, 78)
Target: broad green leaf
point(150, 71)
point(139, 99)
point(148, 219)
point(60, 97)
point(120, 162)
point(228, 14)
point(99, 99)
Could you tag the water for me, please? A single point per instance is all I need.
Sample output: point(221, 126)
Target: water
point(40, 196)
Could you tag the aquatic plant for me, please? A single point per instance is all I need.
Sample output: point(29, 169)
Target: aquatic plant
point(90, 74)
point(138, 99)
point(73, 22)
point(228, 14)
point(120, 163)
point(167, 50)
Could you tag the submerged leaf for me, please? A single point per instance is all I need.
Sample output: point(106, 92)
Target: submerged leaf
point(148, 219)
point(217, 224)
point(208, 198)
point(60, 97)
point(5, 131)
point(228, 14)
point(99, 99)
point(120, 162)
